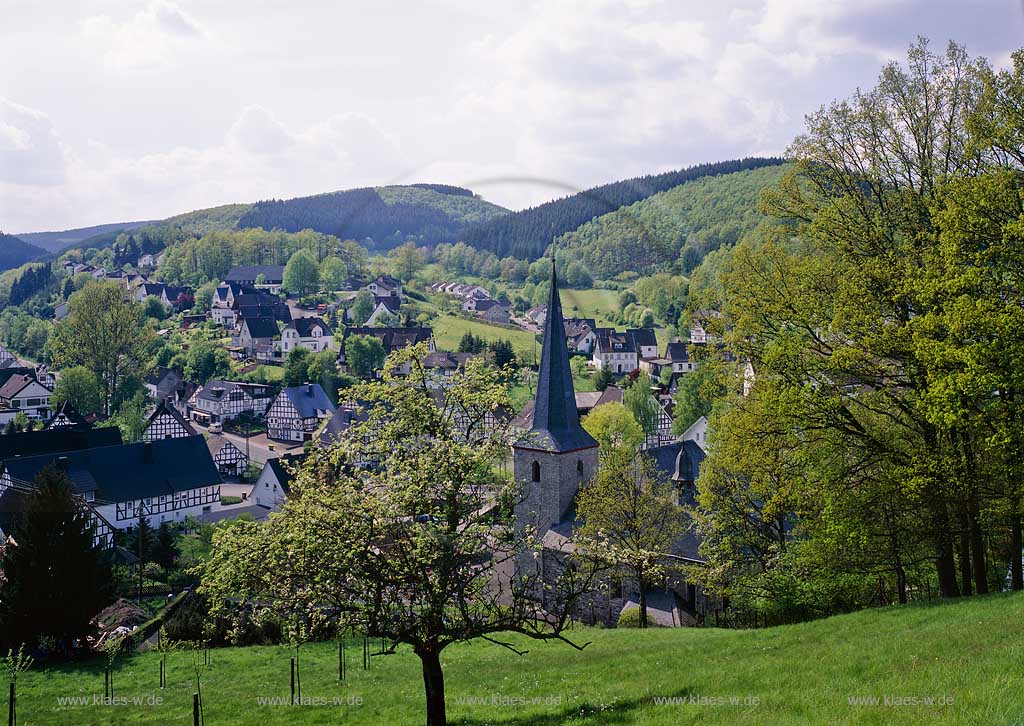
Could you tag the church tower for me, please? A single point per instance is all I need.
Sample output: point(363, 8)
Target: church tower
point(557, 455)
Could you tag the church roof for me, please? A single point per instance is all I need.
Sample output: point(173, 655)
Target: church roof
point(556, 423)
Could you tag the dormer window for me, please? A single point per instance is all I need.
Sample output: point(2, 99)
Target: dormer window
point(536, 471)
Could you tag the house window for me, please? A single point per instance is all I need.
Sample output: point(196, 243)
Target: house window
point(536, 471)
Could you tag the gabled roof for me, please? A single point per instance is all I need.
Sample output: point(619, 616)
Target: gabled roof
point(677, 353)
point(160, 374)
point(261, 327)
point(16, 384)
point(611, 341)
point(681, 460)
point(309, 400)
point(305, 326)
point(484, 305)
point(283, 467)
point(271, 273)
point(556, 423)
point(388, 282)
point(129, 471)
point(447, 361)
point(393, 304)
point(67, 412)
point(643, 337)
point(165, 408)
point(49, 441)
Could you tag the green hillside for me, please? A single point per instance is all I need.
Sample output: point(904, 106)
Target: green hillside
point(15, 252)
point(684, 223)
point(965, 656)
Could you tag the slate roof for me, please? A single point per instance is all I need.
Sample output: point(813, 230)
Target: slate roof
point(393, 304)
point(273, 274)
point(308, 399)
point(611, 341)
point(556, 423)
point(129, 471)
point(281, 466)
point(447, 361)
point(305, 326)
point(49, 441)
point(680, 460)
point(677, 353)
point(158, 375)
point(388, 282)
point(643, 337)
point(261, 327)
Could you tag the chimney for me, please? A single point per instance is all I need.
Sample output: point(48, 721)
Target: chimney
point(147, 452)
point(309, 388)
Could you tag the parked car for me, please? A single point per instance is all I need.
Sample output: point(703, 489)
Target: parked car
point(216, 428)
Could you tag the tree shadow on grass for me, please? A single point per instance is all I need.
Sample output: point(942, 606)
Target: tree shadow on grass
point(619, 712)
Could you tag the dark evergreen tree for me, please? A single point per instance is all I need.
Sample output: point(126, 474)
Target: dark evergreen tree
point(56, 577)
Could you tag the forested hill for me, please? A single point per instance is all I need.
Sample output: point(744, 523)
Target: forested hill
point(15, 252)
point(57, 241)
point(682, 224)
point(528, 233)
point(431, 213)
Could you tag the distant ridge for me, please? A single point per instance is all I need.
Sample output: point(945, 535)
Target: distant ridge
point(57, 241)
point(527, 234)
point(15, 252)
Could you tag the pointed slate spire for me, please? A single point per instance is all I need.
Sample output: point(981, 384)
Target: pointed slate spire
point(556, 423)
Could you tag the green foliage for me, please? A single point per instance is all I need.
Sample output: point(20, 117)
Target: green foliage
point(406, 260)
point(206, 360)
point(364, 354)
point(333, 273)
point(362, 307)
point(676, 226)
point(630, 618)
point(639, 399)
point(130, 417)
point(152, 307)
point(105, 333)
point(614, 427)
point(80, 387)
point(296, 367)
point(301, 274)
point(602, 378)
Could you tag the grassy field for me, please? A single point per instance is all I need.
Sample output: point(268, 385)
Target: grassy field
point(967, 657)
point(449, 329)
point(590, 304)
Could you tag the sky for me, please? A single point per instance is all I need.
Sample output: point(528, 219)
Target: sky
point(118, 111)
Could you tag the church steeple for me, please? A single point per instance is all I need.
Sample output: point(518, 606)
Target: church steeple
point(556, 424)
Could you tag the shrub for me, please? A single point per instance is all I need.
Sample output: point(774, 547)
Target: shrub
point(630, 618)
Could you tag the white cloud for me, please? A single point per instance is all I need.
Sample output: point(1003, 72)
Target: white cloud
point(31, 154)
point(154, 37)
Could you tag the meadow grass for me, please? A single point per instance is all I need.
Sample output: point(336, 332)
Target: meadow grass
point(966, 656)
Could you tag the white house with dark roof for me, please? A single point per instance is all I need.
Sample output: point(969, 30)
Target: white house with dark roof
point(257, 336)
point(23, 393)
point(385, 286)
point(313, 334)
point(298, 412)
point(274, 483)
point(265, 277)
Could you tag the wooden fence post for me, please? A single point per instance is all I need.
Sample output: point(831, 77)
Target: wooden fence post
point(12, 717)
point(195, 709)
point(293, 681)
point(341, 660)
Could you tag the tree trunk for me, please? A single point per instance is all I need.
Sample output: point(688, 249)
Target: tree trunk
point(945, 562)
point(643, 598)
point(1016, 544)
point(433, 683)
point(978, 550)
point(964, 545)
point(901, 584)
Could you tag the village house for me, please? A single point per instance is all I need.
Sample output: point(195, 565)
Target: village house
point(228, 458)
point(580, 334)
point(259, 305)
point(263, 277)
point(67, 417)
point(274, 483)
point(491, 310)
point(313, 334)
point(219, 401)
point(163, 480)
point(178, 298)
point(385, 286)
point(162, 382)
point(23, 393)
point(166, 423)
point(298, 412)
point(257, 336)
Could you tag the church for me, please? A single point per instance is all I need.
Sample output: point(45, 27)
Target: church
point(557, 456)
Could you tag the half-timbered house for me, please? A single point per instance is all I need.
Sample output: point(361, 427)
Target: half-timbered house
point(298, 412)
point(166, 423)
point(229, 459)
point(220, 401)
